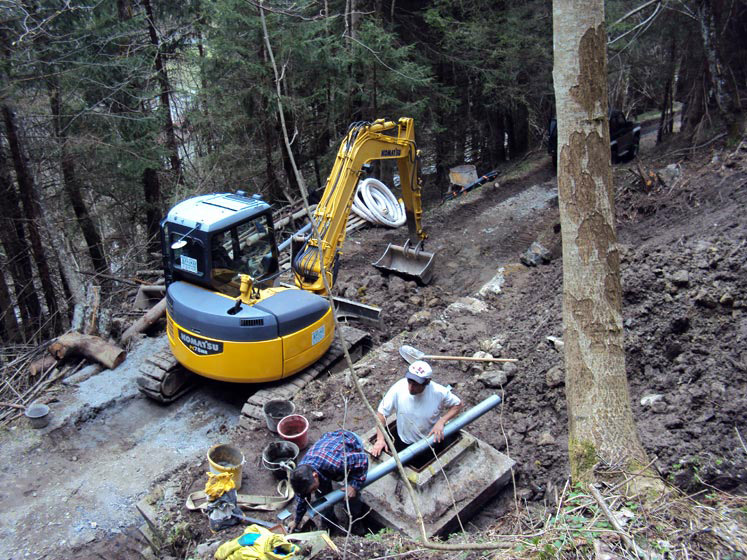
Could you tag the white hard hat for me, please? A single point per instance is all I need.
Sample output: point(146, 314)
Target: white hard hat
point(419, 372)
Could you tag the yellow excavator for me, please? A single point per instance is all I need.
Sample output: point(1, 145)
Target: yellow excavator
point(227, 319)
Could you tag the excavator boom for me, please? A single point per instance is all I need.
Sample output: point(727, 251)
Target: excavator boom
point(363, 143)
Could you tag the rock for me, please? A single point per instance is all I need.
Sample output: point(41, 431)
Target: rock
point(672, 350)
point(493, 346)
point(398, 308)
point(704, 299)
point(319, 415)
point(659, 407)
point(649, 400)
point(510, 369)
point(546, 438)
point(727, 300)
point(681, 278)
point(397, 286)
point(416, 301)
point(419, 319)
point(494, 285)
point(535, 255)
point(493, 378)
point(669, 174)
point(439, 324)
point(555, 377)
point(556, 343)
point(206, 550)
point(466, 305)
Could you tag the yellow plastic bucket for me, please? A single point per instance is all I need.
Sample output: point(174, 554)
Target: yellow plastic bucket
point(225, 457)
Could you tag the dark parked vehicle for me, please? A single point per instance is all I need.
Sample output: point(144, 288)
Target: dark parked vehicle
point(625, 137)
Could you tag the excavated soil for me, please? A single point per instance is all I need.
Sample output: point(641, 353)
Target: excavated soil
point(684, 248)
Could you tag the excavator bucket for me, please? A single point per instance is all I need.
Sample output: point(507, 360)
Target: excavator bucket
point(414, 263)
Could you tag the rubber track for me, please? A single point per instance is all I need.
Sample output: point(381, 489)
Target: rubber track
point(154, 371)
point(359, 342)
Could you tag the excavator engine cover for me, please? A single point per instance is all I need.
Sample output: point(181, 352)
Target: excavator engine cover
point(275, 338)
point(413, 263)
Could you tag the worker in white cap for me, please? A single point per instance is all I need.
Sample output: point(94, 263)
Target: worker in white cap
point(423, 407)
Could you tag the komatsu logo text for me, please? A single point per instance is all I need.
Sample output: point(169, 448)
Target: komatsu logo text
point(199, 345)
point(390, 153)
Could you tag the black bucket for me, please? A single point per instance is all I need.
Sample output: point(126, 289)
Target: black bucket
point(280, 457)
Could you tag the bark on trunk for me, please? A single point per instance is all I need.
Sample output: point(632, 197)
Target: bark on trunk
point(92, 347)
point(600, 418)
point(163, 81)
point(73, 188)
point(13, 239)
point(31, 211)
point(519, 134)
point(152, 193)
point(9, 329)
point(666, 121)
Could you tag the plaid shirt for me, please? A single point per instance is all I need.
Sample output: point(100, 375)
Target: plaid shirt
point(329, 457)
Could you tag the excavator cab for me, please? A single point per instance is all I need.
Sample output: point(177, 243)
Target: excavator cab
point(215, 253)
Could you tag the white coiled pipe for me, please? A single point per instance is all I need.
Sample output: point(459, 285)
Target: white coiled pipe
point(375, 203)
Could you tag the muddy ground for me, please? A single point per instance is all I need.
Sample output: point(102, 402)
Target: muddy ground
point(684, 247)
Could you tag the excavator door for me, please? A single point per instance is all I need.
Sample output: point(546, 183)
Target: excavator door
point(410, 262)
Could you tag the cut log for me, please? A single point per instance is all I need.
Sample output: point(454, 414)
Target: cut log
point(41, 365)
point(147, 295)
point(89, 346)
point(144, 322)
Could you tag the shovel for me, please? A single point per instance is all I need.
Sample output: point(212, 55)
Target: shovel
point(411, 355)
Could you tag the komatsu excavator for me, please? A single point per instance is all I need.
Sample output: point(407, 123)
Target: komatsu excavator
point(226, 317)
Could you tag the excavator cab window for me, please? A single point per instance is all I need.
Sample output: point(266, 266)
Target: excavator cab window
point(248, 248)
point(188, 256)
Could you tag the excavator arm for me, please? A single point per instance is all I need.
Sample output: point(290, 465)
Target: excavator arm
point(363, 143)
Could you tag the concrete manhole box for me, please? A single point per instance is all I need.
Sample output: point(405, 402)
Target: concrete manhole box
point(462, 477)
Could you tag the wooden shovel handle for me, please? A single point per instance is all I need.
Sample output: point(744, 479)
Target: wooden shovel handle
point(469, 359)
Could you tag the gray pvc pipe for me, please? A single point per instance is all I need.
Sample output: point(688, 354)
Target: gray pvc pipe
point(406, 455)
point(287, 242)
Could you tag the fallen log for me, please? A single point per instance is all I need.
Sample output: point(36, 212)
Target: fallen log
point(144, 322)
point(89, 346)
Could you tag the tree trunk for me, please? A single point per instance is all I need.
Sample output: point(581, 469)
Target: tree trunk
point(31, 211)
point(163, 81)
point(73, 188)
point(497, 137)
point(9, 329)
point(152, 194)
point(666, 121)
point(707, 33)
point(13, 239)
point(518, 140)
point(600, 419)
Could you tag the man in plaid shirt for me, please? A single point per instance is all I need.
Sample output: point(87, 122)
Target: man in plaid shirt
point(327, 460)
